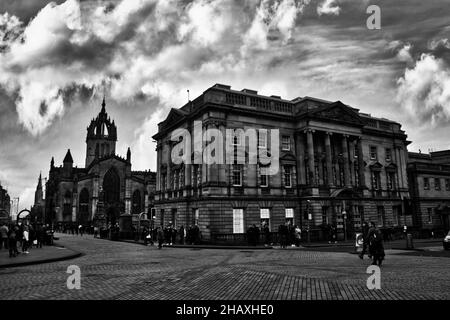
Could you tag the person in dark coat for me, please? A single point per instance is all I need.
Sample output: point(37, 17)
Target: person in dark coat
point(266, 232)
point(250, 235)
point(365, 235)
point(160, 237)
point(283, 232)
point(173, 235)
point(39, 235)
point(182, 235)
point(12, 241)
point(376, 247)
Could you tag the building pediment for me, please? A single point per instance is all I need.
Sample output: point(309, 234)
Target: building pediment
point(174, 116)
point(288, 157)
point(391, 167)
point(375, 165)
point(338, 111)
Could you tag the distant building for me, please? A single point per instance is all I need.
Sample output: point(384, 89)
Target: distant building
point(105, 189)
point(5, 205)
point(429, 180)
point(38, 208)
point(338, 166)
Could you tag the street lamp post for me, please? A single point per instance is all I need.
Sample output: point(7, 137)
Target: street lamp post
point(344, 216)
point(139, 224)
point(308, 208)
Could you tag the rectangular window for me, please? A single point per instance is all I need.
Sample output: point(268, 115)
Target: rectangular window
point(447, 184)
point(289, 212)
point(237, 175)
point(391, 180)
point(262, 138)
point(173, 222)
point(381, 216)
point(287, 176)
point(388, 154)
point(430, 215)
point(163, 182)
point(376, 180)
point(265, 217)
point(238, 220)
point(263, 178)
point(325, 215)
point(196, 216)
point(373, 153)
point(426, 183)
point(437, 184)
point(162, 217)
point(286, 143)
point(395, 216)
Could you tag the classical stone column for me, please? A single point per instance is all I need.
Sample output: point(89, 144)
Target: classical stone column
point(362, 178)
point(310, 142)
point(346, 161)
point(300, 152)
point(352, 161)
point(328, 158)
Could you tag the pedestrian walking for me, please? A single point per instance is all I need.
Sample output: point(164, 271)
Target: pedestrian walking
point(266, 232)
point(4, 236)
point(182, 234)
point(298, 235)
point(376, 247)
point(26, 239)
point(365, 236)
point(12, 241)
point(160, 235)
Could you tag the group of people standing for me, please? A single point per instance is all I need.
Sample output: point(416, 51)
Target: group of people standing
point(24, 236)
point(373, 242)
point(169, 235)
point(288, 235)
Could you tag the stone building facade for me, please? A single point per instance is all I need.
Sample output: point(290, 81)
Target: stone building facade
point(429, 178)
point(105, 189)
point(337, 166)
point(5, 205)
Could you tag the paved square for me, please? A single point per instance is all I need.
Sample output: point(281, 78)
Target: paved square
point(117, 270)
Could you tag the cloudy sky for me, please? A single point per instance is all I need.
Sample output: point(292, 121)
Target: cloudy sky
point(57, 59)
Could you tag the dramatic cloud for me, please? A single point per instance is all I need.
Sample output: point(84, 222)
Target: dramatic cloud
point(404, 54)
point(329, 7)
point(440, 43)
point(57, 58)
point(424, 91)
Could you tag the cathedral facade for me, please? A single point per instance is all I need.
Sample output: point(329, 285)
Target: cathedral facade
point(105, 189)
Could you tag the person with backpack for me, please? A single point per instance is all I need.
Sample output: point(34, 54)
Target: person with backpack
point(376, 247)
point(12, 241)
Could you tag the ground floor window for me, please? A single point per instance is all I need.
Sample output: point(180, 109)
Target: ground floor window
point(325, 218)
point(430, 215)
point(174, 218)
point(162, 217)
point(381, 216)
point(238, 220)
point(196, 216)
point(265, 217)
point(289, 212)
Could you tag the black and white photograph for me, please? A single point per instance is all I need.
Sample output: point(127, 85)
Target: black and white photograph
point(220, 155)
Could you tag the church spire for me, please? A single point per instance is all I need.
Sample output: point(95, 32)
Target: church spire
point(129, 155)
point(103, 105)
point(40, 180)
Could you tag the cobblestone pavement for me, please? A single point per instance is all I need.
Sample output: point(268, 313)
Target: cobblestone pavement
point(117, 270)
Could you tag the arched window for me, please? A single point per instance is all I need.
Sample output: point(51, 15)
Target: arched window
point(136, 203)
point(111, 186)
point(67, 206)
point(83, 207)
